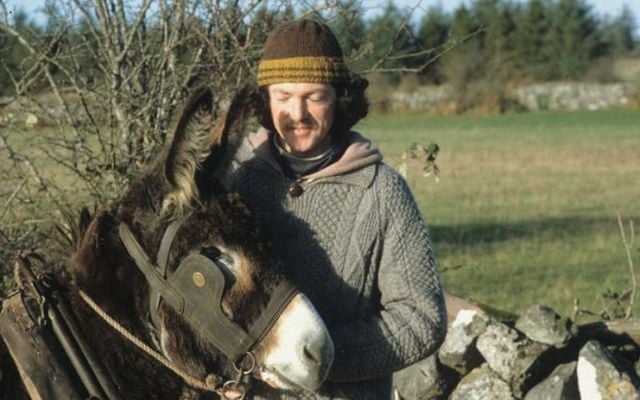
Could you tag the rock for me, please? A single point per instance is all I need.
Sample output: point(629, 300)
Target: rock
point(426, 379)
point(31, 120)
point(458, 350)
point(482, 383)
point(542, 324)
point(561, 384)
point(601, 378)
point(512, 356)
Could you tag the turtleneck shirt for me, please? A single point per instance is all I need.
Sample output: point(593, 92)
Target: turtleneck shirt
point(297, 166)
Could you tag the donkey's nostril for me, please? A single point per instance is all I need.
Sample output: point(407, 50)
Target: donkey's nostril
point(312, 353)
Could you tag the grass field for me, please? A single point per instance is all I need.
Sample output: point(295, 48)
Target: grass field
point(525, 210)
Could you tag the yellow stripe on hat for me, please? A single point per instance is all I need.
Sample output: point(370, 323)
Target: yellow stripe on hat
point(302, 69)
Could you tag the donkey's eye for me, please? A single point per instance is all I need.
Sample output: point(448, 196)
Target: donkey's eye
point(227, 260)
point(211, 252)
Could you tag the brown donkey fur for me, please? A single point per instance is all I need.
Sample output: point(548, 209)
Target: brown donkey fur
point(183, 181)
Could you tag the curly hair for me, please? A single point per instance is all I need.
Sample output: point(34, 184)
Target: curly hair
point(352, 105)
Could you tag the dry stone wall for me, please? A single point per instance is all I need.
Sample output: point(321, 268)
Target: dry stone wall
point(576, 96)
point(540, 356)
point(537, 97)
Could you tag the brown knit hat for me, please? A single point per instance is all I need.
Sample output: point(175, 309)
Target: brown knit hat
point(302, 51)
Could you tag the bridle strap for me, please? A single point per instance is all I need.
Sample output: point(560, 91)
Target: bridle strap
point(161, 264)
point(165, 244)
point(280, 298)
point(153, 275)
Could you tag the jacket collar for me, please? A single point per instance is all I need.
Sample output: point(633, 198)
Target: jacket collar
point(359, 156)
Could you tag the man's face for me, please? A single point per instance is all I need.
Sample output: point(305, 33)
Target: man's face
point(302, 115)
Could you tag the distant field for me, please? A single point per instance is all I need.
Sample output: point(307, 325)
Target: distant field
point(525, 211)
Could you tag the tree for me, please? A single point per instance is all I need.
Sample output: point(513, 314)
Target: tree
point(465, 63)
point(110, 78)
point(462, 24)
point(572, 41)
point(350, 29)
point(119, 71)
point(531, 27)
point(496, 21)
point(618, 34)
point(392, 41)
point(14, 61)
point(432, 39)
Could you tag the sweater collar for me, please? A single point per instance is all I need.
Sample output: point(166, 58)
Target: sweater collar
point(358, 155)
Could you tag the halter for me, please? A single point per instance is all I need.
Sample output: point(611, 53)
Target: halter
point(195, 289)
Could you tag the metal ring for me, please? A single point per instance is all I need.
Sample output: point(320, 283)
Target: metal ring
point(232, 385)
point(229, 384)
point(248, 370)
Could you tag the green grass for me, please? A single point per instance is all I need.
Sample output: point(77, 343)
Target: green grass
point(525, 210)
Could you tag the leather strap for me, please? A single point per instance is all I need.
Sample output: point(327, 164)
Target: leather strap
point(152, 273)
point(165, 244)
point(161, 264)
point(280, 299)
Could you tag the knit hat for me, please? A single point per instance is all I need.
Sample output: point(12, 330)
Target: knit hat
point(302, 51)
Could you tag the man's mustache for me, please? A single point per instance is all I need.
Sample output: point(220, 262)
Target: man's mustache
point(308, 123)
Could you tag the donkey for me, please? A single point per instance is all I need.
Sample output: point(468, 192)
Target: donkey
point(197, 305)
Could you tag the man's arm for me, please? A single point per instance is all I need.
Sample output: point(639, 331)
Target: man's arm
point(411, 324)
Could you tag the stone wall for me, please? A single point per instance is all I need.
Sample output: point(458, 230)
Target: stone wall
point(539, 356)
point(422, 98)
point(576, 95)
point(536, 97)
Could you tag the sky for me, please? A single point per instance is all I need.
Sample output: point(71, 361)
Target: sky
point(610, 8)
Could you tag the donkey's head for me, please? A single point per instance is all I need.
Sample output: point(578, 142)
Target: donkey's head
point(182, 264)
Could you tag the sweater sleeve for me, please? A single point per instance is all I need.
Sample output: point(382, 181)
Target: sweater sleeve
point(411, 322)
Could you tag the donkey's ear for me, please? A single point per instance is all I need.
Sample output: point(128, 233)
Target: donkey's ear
point(192, 139)
point(203, 147)
point(230, 130)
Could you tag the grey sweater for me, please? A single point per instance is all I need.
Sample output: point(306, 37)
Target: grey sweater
point(354, 242)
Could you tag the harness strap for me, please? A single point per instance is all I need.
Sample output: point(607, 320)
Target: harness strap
point(151, 272)
point(161, 265)
point(165, 244)
point(280, 298)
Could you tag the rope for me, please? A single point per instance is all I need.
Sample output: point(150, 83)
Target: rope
point(208, 384)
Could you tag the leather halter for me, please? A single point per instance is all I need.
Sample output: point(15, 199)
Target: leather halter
point(195, 289)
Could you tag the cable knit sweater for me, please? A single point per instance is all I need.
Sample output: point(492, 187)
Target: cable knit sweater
point(353, 241)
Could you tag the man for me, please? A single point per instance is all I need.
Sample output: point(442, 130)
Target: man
point(345, 224)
